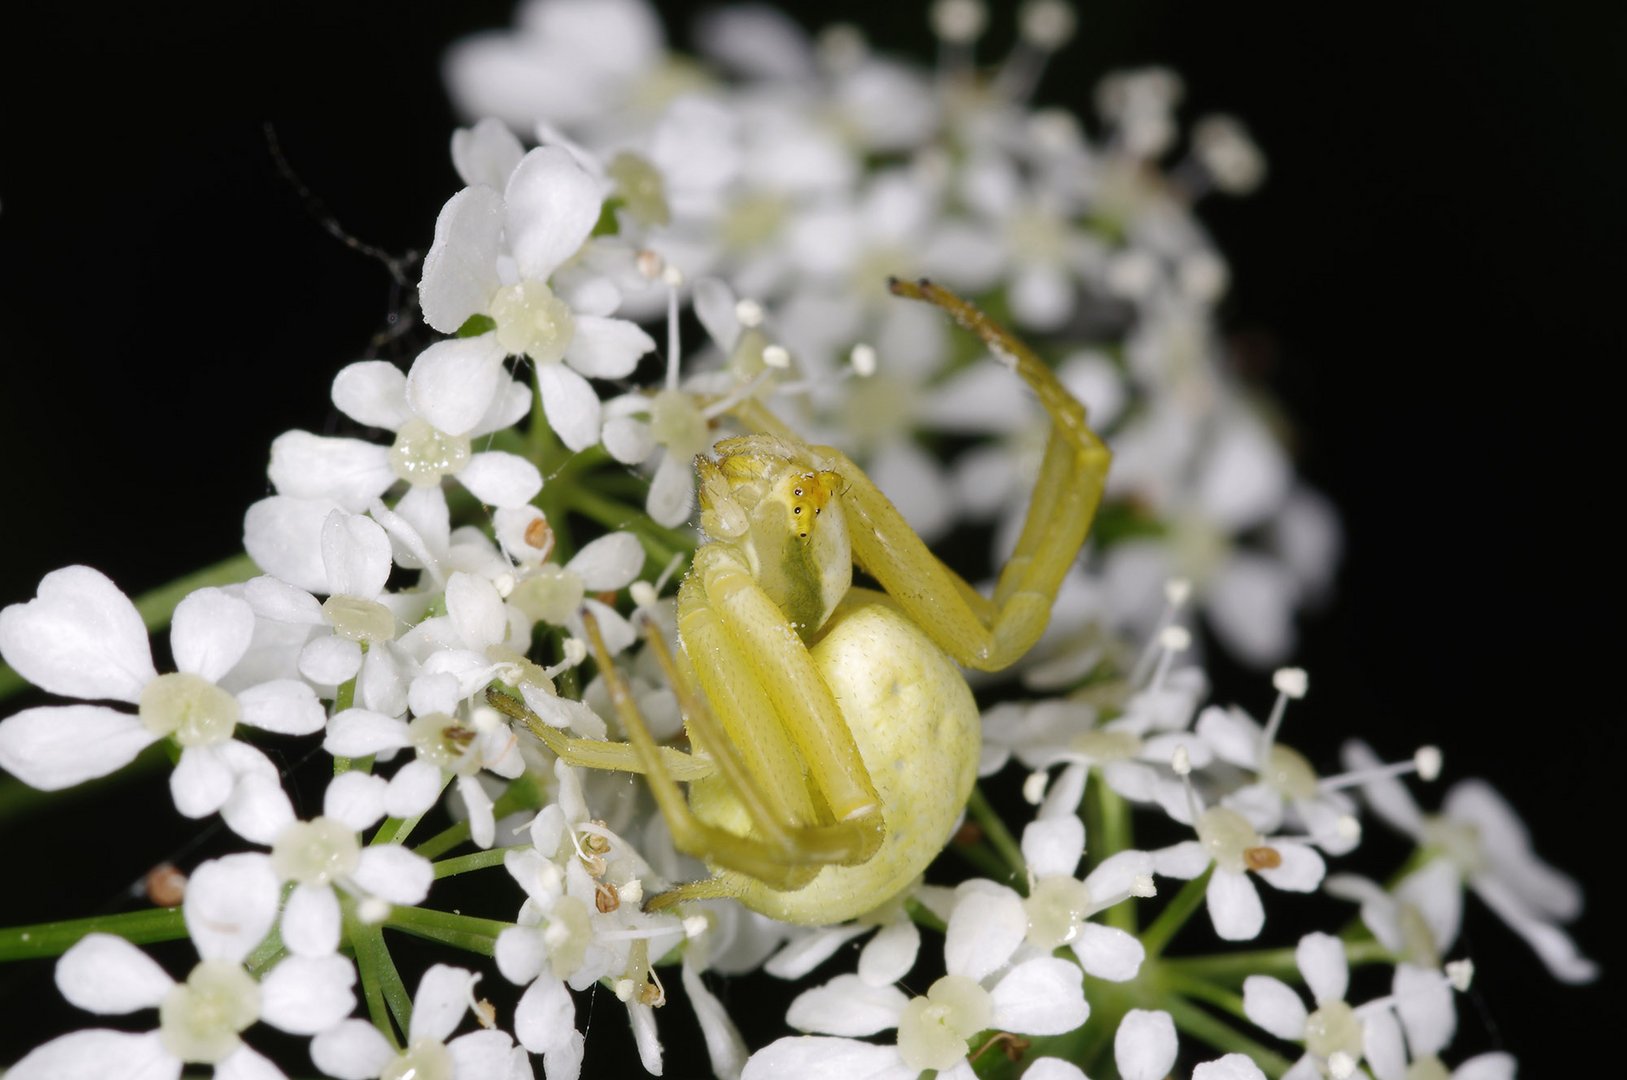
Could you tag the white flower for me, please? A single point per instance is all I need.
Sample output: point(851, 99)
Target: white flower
point(1333, 1034)
point(82, 637)
point(1038, 996)
point(494, 254)
point(1059, 906)
point(228, 912)
point(355, 1050)
point(1418, 919)
point(1485, 841)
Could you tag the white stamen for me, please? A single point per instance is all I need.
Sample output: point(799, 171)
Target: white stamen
point(740, 393)
point(1181, 761)
point(1415, 764)
point(643, 593)
point(776, 357)
point(672, 275)
point(1172, 639)
point(1143, 886)
point(372, 911)
point(695, 926)
point(1047, 24)
point(1176, 591)
point(863, 359)
point(1034, 787)
point(1427, 759)
point(672, 334)
point(624, 989)
point(469, 992)
point(1460, 973)
point(650, 264)
point(1291, 681)
point(1347, 827)
point(1341, 1065)
point(959, 22)
point(748, 313)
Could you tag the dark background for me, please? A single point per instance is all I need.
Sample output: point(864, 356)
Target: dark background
point(1429, 279)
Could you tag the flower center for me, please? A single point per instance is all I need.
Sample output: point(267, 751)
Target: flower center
point(1332, 1028)
point(1417, 939)
point(532, 320)
point(1056, 909)
point(445, 741)
point(641, 188)
point(550, 595)
point(425, 1059)
point(359, 620)
point(753, 220)
point(1458, 841)
point(1104, 746)
point(570, 930)
point(678, 425)
point(199, 1019)
point(315, 852)
point(193, 709)
point(1288, 773)
point(421, 455)
point(1226, 835)
point(932, 1031)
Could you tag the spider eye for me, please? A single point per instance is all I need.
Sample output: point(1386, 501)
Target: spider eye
point(796, 509)
point(798, 493)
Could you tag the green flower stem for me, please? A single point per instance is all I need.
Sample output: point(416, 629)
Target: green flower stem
point(56, 938)
point(385, 993)
point(1107, 832)
point(396, 830)
point(156, 606)
point(1175, 914)
point(460, 931)
point(921, 916)
point(999, 835)
point(342, 700)
point(522, 794)
point(983, 856)
point(1209, 1029)
point(1200, 990)
point(660, 544)
point(480, 860)
point(1231, 969)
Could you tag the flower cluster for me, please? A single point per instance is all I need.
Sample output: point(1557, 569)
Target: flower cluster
point(430, 589)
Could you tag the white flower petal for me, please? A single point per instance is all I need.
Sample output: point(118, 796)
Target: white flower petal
point(570, 404)
point(286, 706)
point(460, 270)
point(359, 732)
point(279, 601)
point(520, 952)
point(984, 931)
point(1552, 945)
point(57, 746)
point(1250, 604)
point(1107, 952)
point(476, 610)
point(1272, 1005)
point(355, 800)
point(1232, 735)
point(1053, 846)
point(486, 153)
point(810, 949)
point(391, 872)
point(201, 782)
point(257, 809)
point(330, 660)
point(452, 383)
point(1321, 959)
point(610, 563)
point(889, 956)
point(441, 1001)
point(1388, 797)
point(482, 826)
point(813, 1057)
point(628, 439)
point(230, 905)
point(672, 491)
point(79, 637)
point(355, 554)
point(1185, 860)
point(1424, 1002)
point(350, 472)
point(482, 1053)
point(1383, 1049)
point(304, 995)
point(351, 1050)
point(545, 1017)
point(310, 921)
point(1493, 1066)
point(108, 975)
point(552, 205)
point(284, 538)
point(99, 1054)
point(245, 1063)
point(1436, 892)
point(1116, 874)
point(1043, 996)
point(413, 789)
point(1234, 906)
point(847, 1005)
point(498, 478)
point(606, 348)
point(1507, 844)
point(374, 393)
point(1301, 869)
point(1230, 1067)
point(1051, 1068)
point(724, 1046)
point(1144, 1046)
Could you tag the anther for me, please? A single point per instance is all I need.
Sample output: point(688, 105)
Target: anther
point(671, 275)
point(631, 892)
point(1034, 787)
point(650, 264)
point(775, 356)
point(1427, 759)
point(1181, 761)
point(643, 593)
point(1426, 762)
point(863, 360)
point(695, 926)
point(749, 313)
point(1460, 973)
point(605, 898)
point(959, 22)
point(1177, 591)
point(1341, 1065)
point(1289, 683)
point(1143, 886)
point(1262, 858)
point(624, 989)
point(1047, 24)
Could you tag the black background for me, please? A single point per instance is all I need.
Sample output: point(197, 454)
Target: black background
point(1430, 280)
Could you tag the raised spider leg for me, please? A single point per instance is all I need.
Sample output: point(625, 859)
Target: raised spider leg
point(596, 753)
point(783, 852)
point(975, 630)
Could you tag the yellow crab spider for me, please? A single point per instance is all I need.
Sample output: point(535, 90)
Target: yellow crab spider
point(834, 742)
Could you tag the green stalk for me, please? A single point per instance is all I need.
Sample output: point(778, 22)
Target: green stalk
point(921, 916)
point(157, 605)
point(460, 931)
point(1108, 832)
point(1223, 1037)
point(999, 836)
point(56, 938)
point(982, 856)
point(1175, 914)
point(385, 993)
point(1232, 968)
point(660, 544)
point(522, 794)
point(1207, 992)
point(480, 860)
